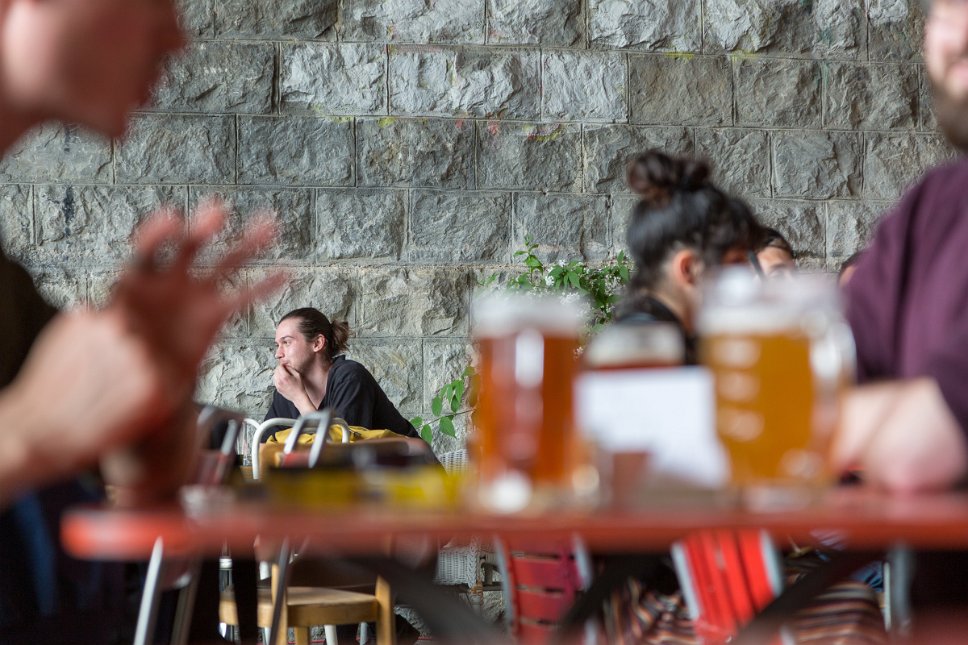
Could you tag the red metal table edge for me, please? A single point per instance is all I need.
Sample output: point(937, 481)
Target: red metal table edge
point(860, 519)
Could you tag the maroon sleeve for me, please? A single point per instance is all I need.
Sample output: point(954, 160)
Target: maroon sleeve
point(875, 300)
point(873, 295)
point(949, 368)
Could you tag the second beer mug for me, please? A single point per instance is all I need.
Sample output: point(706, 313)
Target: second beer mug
point(524, 422)
point(781, 355)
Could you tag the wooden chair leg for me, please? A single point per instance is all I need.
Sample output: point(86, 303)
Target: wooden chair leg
point(386, 633)
point(302, 635)
point(278, 587)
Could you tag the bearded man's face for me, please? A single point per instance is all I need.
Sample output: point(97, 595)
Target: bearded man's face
point(946, 59)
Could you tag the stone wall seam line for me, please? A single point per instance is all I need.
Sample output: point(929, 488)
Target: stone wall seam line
point(238, 148)
point(386, 49)
point(702, 26)
point(734, 98)
point(826, 231)
point(867, 40)
point(276, 79)
point(487, 23)
point(408, 250)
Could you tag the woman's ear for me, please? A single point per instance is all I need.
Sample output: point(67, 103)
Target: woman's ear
point(685, 268)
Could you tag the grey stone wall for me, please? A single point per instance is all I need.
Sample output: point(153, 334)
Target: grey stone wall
point(409, 146)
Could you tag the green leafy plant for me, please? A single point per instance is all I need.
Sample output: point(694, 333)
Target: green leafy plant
point(449, 397)
point(599, 284)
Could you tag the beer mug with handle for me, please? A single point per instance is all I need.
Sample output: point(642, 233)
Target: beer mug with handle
point(781, 355)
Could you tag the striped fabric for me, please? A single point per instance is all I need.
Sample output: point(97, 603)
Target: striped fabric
point(847, 614)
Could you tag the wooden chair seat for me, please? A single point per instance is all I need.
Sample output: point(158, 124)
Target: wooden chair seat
point(308, 606)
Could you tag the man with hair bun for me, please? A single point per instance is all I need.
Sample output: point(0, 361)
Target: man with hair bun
point(314, 374)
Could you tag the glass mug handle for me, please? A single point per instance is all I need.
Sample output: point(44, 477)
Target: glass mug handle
point(833, 362)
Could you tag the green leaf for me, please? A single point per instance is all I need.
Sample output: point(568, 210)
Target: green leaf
point(459, 389)
point(623, 273)
point(573, 278)
point(455, 402)
point(437, 405)
point(519, 252)
point(447, 426)
point(469, 371)
point(426, 433)
point(416, 422)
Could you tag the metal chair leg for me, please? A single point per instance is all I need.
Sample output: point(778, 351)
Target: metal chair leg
point(148, 611)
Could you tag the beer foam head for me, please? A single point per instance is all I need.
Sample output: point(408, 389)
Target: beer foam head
point(503, 313)
point(738, 301)
point(628, 344)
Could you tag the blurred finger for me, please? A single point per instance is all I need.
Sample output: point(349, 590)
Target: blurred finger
point(242, 299)
point(159, 229)
point(208, 221)
point(258, 235)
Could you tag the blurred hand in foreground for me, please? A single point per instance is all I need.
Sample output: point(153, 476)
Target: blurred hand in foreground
point(902, 436)
point(117, 383)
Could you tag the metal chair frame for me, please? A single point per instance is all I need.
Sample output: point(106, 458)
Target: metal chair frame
point(188, 581)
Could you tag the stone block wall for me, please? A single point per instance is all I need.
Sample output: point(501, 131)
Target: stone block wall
point(410, 145)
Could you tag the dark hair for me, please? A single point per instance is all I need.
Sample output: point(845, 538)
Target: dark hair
point(313, 322)
point(770, 237)
point(680, 207)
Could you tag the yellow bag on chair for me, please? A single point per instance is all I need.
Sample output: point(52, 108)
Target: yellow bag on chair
point(270, 454)
point(357, 433)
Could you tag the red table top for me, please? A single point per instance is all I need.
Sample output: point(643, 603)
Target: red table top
point(861, 519)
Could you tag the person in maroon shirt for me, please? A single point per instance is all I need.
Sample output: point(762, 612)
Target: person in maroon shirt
point(907, 303)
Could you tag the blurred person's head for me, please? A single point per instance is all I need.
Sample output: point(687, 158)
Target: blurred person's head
point(847, 269)
point(946, 59)
point(682, 226)
point(306, 336)
point(89, 62)
point(775, 255)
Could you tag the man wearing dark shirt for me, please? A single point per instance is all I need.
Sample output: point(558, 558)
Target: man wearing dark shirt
point(908, 303)
point(313, 374)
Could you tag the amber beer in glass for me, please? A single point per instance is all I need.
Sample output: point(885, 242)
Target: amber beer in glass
point(780, 354)
point(524, 422)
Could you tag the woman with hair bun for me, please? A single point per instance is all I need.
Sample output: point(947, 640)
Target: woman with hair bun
point(682, 225)
point(313, 374)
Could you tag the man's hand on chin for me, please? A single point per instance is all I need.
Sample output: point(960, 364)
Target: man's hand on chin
point(289, 383)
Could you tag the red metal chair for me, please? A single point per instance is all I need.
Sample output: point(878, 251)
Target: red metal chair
point(727, 577)
point(540, 583)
